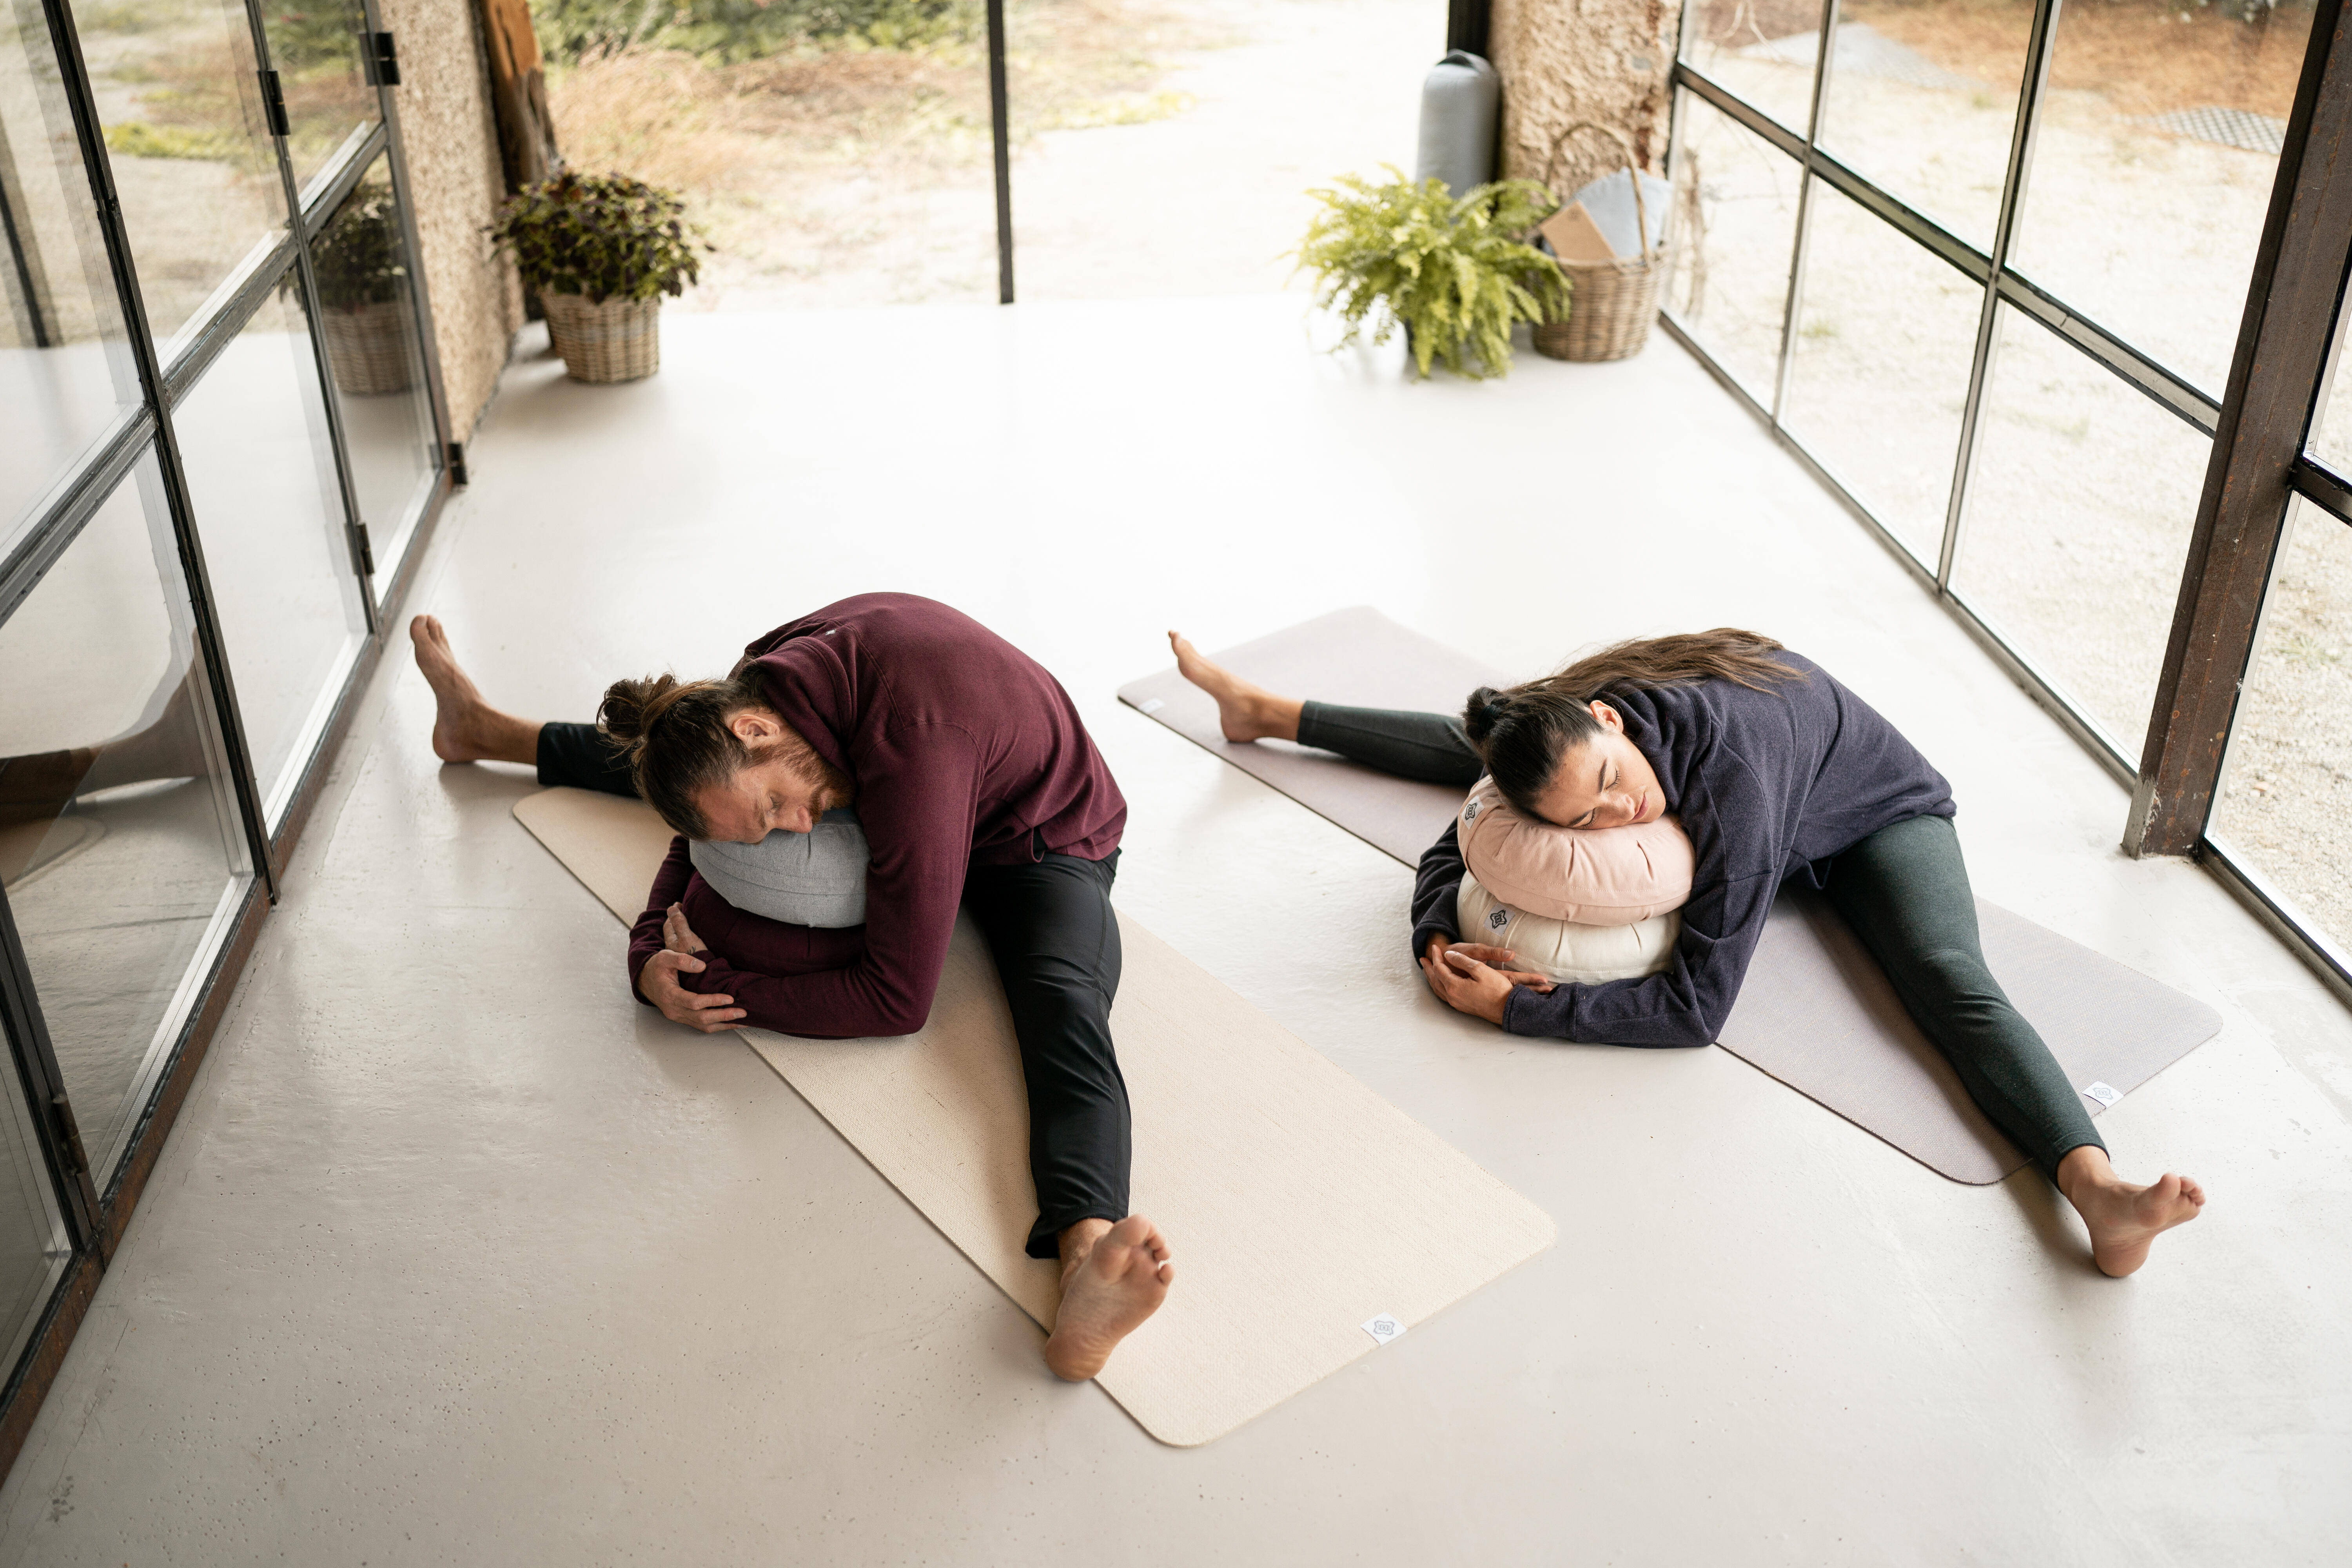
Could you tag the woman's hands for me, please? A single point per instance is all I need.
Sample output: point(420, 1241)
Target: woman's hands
point(1469, 976)
point(658, 980)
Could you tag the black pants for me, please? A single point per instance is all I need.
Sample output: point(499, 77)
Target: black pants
point(1903, 890)
point(1049, 926)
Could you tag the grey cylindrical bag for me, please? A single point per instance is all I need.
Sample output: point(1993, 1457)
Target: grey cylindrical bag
point(813, 879)
point(1461, 100)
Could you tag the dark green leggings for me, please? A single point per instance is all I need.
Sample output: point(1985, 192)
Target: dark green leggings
point(1905, 892)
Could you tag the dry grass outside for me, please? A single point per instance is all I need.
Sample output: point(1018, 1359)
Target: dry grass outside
point(863, 173)
point(2146, 57)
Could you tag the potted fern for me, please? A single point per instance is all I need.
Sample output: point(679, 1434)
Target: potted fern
point(363, 284)
point(1452, 270)
point(601, 251)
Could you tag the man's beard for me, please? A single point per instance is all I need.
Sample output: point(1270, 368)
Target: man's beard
point(830, 784)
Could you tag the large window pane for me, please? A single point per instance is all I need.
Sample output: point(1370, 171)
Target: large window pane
point(120, 847)
point(369, 317)
point(33, 1247)
point(1880, 368)
point(1730, 288)
point(2078, 522)
point(193, 164)
point(65, 372)
point(2285, 804)
point(253, 438)
point(1168, 150)
point(1923, 99)
point(1762, 51)
point(2331, 422)
point(2152, 168)
point(315, 49)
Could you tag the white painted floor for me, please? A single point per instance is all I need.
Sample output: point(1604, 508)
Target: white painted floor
point(457, 1255)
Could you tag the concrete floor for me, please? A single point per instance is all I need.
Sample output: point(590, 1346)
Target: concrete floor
point(457, 1255)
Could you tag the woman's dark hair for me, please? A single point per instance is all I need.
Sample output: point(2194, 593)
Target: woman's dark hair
point(1524, 731)
point(675, 737)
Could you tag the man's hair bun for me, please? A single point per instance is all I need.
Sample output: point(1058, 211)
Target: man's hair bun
point(675, 737)
point(630, 707)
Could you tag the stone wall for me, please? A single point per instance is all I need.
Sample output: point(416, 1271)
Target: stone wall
point(452, 145)
point(1565, 60)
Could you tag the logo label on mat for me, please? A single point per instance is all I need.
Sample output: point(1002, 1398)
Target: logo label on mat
point(1497, 919)
point(1384, 1328)
point(1154, 704)
point(2105, 1093)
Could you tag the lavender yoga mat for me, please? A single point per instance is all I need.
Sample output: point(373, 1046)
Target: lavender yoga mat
point(1816, 1012)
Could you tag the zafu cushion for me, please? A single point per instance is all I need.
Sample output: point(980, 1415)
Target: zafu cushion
point(1563, 950)
point(813, 879)
point(1595, 876)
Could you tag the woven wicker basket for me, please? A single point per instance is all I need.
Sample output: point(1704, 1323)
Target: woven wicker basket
point(370, 348)
point(1611, 304)
point(619, 340)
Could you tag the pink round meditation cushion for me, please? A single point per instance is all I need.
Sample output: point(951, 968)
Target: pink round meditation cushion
point(1588, 876)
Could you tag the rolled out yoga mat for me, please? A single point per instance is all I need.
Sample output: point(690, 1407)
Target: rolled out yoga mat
point(1816, 1012)
point(1304, 1210)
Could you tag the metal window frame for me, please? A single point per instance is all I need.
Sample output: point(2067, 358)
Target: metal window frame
point(2294, 329)
point(95, 1197)
point(1000, 137)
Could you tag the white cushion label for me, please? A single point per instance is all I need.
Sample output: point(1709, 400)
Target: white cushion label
point(2105, 1093)
point(1385, 1326)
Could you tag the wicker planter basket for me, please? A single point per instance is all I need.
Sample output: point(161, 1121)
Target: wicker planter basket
point(1611, 304)
point(619, 340)
point(369, 347)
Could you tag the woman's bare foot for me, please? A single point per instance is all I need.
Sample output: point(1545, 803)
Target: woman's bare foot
point(1244, 712)
point(465, 728)
point(2121, 1217)
point(1113, 1278)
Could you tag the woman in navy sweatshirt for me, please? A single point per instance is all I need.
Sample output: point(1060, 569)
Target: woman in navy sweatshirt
point(1778, 772)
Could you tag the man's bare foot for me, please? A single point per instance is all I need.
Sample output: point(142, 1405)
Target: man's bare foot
point(2121, 1217)
point(465, 728)
point(1112, 1279)
point(1244, 712)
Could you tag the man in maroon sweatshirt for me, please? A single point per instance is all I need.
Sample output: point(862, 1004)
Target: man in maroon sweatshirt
point(977, 787)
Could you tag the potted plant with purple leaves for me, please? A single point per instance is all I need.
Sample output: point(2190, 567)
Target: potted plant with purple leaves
point(601, 251)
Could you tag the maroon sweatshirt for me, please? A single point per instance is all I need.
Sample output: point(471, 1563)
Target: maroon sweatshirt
point(961, 751)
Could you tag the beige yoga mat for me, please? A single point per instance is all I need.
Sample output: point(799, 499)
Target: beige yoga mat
point(1301, 1206)
point(1816, 1012)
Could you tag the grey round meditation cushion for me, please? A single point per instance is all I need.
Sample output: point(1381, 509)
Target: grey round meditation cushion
point(815, 878)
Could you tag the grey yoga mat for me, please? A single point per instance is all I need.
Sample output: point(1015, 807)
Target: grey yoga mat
point(1815, 1012)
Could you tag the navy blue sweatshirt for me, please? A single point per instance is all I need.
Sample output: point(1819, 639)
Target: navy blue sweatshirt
point(1770, 785)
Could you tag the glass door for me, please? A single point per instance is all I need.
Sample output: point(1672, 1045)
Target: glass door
point(222, 439)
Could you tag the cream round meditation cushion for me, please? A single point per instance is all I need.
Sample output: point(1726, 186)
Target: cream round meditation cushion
point(1563, 950)
point(1595, 876)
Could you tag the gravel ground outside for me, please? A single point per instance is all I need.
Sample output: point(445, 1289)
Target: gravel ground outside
point(2286, 802)
point(195, 172)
